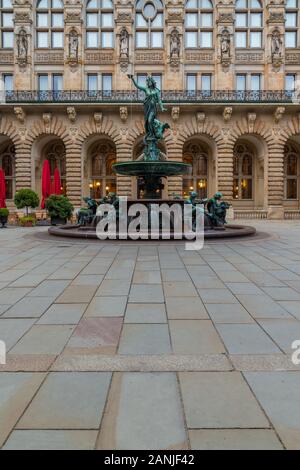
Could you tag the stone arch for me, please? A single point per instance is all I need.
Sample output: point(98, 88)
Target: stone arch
point(101, 126)
point(22, 171)
point(47, 126)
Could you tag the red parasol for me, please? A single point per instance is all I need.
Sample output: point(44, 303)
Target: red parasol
point(2, 189)
point(46, 183)
point(56, 182)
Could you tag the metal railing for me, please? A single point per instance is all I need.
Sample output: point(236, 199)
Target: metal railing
point(170, 96)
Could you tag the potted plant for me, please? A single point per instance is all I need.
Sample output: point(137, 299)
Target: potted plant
point(3, 216)
point(26, 198)
point(28, 221)
point(59, 209)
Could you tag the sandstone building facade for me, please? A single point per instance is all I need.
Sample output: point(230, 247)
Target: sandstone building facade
point(229, 72)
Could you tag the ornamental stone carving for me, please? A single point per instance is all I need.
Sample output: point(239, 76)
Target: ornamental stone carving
point(251, 117)
point(20, 114)
point(278, 115)
point(98, 120)
point(71, 113)
point(123, 113)
point(227, 113)
point(175, 113)
point(201, 118)
point(47, 118)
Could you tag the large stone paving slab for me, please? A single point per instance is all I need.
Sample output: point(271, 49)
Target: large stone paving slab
point(63, 314)
point(16, 391)
point(44, 339)
point(278, 394)
point(29, 307)
point(107, 307)
point(145, 313)
point(228, 313)
point(246, 339)
point(234, 439)
point(195, 337)
point(190, 308)
point(11, 330)
point(72, 400)
point(144, 339)
point(51, 440)
point(219, 400)
point(283, 332)
point(143, 412)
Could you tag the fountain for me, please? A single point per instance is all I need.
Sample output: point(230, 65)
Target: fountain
point(151, 167)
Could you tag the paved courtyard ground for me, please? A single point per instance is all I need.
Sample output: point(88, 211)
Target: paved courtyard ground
point(149, 346)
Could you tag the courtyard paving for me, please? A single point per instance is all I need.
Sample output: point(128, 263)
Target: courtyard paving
point(149, 346)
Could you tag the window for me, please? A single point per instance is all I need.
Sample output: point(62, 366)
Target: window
point(191, 83)
point(106, 84)
point(142, 77)
point(149, 24)
point(7, 163)
point(8, 82)
point(196, 155)
point(102, 176)
point(291, 24)
point(291, 171)
point(57, 82)
point(242, 172)
point(43, 82)
point(255, 82)
point(290, 81)
point(250, 82)
point(99, 22)
point(206, 83)
point(50, 24)
point(241, 81)
point(199, 23)
point(248, 24)
point(6, 24)
point(92, 82)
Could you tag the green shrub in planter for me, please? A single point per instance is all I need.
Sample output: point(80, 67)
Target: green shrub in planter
point(27, 221)
point(26, 198)
point(59, 209)
point(3, 216)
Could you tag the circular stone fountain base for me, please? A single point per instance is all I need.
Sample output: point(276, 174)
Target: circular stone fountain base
point(75, 231)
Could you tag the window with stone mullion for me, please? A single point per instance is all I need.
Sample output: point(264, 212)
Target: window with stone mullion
point(49, 20)
point(292, 25)
point(149, 30)
point(199, 24)
point(6, 25)
point(99, 23)
point(249, 24)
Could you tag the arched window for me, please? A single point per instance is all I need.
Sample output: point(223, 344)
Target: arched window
point(7, 163)
point(99, 22)
point(102, 176)
point(6, 25)
point(248, 23)
point(50, 24)
point(149, 24)
point(56, 155)
point(199, 23)
point(291, 171)
point(196, 155)
point(292, 23)
point(242, 172)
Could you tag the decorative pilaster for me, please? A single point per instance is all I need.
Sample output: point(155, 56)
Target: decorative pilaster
point(274, 47)
point(73, 50)
point(124, 46)
point(224, 47)
point(23, 45)
point(174, 41)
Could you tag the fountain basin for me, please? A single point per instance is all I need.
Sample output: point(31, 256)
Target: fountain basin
point(158, 169)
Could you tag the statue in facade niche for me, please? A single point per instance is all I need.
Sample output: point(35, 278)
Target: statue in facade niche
point(175, 47)
point(22, 47)
point(124, 43)
point(276, 45)
point(225, 46)
point(124, 49)
point(73, 45)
